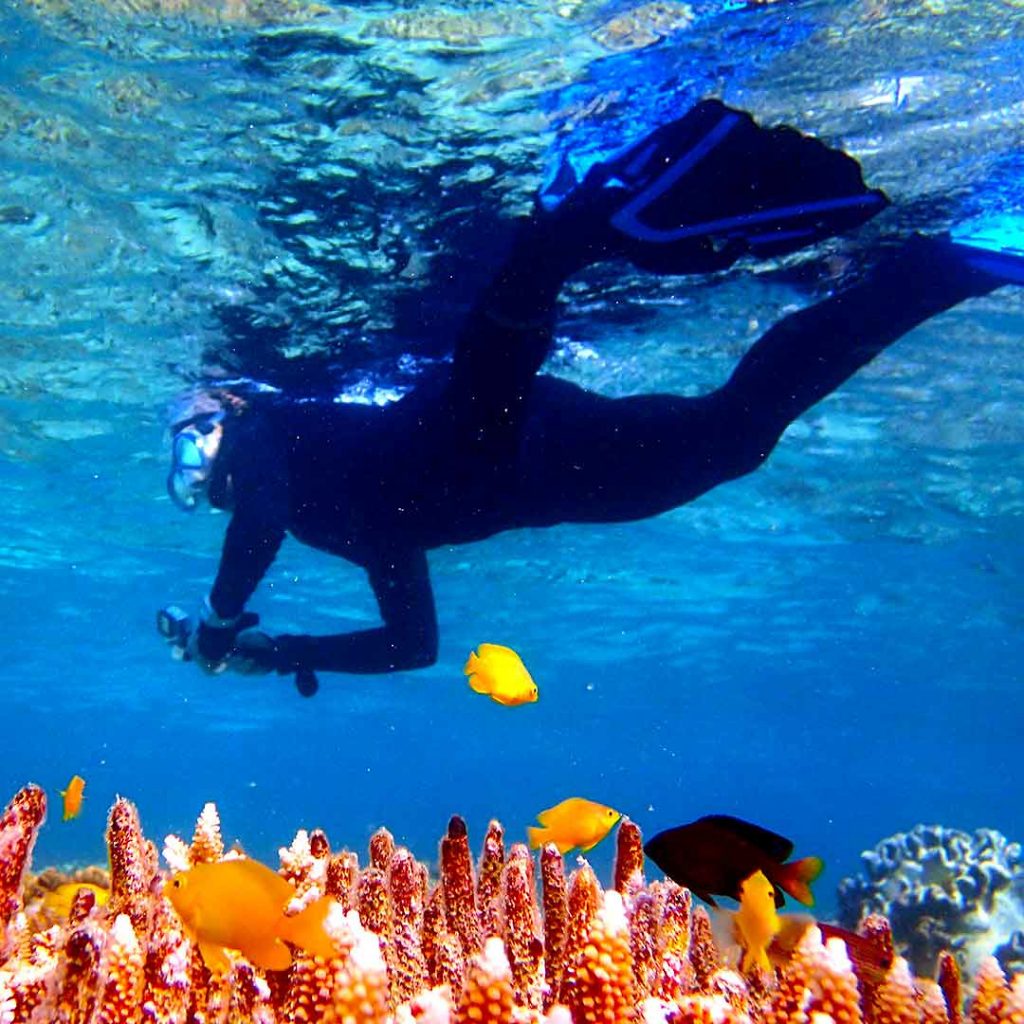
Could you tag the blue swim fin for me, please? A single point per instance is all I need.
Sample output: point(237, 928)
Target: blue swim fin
point(700, 192)
point(993, 244)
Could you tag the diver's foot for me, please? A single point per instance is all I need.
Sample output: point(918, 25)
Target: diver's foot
point(992, 245)
point(698, 193)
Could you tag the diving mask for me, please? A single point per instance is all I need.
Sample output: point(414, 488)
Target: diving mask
point(193, 451)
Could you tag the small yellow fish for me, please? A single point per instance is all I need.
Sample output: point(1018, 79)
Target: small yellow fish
point(73, 797)
point(240, 904)
point(574, 822)
point(757, 922)
point(500, 673)
point(58, 901)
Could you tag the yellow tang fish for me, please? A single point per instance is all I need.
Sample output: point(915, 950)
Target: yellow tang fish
point(757, 922)
point(58, 901)
point(574, 822)
point(240, 904)
point(499, 672)
point(73, 797)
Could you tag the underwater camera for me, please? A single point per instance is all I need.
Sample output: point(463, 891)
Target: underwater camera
point(175, 626)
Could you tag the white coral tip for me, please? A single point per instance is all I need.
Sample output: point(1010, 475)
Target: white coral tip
point(613, 913)
point(652, 1010)
point(176, 854)
point(124, 935)
point(494, 959)
point(366, 955)
point(837, 956)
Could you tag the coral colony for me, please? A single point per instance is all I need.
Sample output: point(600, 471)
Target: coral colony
point(943, 889)
point(476, 946)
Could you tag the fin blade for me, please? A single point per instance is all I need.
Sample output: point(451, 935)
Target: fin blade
point(714, 185)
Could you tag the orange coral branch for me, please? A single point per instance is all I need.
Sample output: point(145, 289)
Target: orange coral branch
point(133, 865)
point(19, 828)
point(459, 889)
point(408, 964)
point(382, 849)
point(523, 943)
point(488, 892)
point(556, 917)
point(629, 855)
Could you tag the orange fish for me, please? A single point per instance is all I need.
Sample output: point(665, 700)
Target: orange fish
point(500, 673)
point(755, 936)
point(756, 922)
point(573, 823)
point(73, 797)
point(58, 901)
point(240, 904)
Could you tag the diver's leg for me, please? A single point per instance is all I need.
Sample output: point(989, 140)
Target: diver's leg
point(593, 459)
point(810, 353)
point(507, 336)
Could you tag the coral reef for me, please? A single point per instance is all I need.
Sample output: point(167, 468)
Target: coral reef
point(476, 947)
point(943, 889)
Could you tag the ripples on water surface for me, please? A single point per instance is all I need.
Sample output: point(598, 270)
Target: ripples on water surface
point(293, 189)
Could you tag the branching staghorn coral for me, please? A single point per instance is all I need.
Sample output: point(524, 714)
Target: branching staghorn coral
point(477, 947)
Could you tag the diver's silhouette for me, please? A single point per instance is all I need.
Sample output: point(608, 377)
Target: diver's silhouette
point(489, 444)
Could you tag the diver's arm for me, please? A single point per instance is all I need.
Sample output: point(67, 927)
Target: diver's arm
point(253, 482)
point(251, 544)
point(407, 640)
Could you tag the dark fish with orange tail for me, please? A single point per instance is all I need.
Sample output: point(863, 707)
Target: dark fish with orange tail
point(713, 855)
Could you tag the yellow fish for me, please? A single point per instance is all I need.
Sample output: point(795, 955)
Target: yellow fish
point(500, 673)
point(240, 904)
point(73, 797)
point(574, 822)
point(757, 922)
point(58, 901)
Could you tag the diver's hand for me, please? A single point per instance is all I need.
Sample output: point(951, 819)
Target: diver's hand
point(254, 653)
point(211, 643)
point(257, 654)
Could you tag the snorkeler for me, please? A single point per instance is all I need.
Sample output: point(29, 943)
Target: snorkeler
point(488, 444)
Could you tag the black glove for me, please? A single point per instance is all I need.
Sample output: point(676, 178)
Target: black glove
point(254, 653)
point(257, 653)
point(213, 640)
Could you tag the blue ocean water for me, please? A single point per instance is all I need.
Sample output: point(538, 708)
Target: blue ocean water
point(831, 647)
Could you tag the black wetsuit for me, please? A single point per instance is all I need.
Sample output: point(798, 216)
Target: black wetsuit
point(490, 445)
